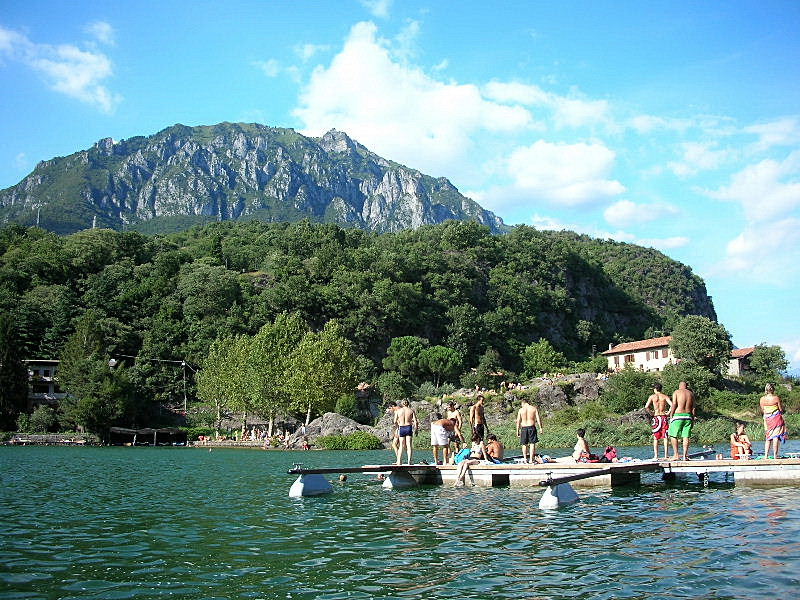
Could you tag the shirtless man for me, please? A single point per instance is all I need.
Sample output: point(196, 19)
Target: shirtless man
point(407, 425)
point(395, 438)
point(440, 438)
point(527, 421)
point(495, 447)
point(477, 417)
point(681, 418)
point(454, 415)
point(659, 404)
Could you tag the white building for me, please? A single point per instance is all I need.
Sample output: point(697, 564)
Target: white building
point(43, 383)
point(739, 364)
point(646, 355)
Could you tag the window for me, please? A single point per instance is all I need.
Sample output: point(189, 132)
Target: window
point(665, 353)
point(616, 361)
point(629, 358)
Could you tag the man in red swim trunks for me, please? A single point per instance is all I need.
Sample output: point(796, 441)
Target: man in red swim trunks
point(659, 403)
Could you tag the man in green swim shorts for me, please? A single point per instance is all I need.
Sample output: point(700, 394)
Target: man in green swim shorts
point(681, 418)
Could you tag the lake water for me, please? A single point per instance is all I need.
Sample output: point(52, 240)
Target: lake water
point(108, 523)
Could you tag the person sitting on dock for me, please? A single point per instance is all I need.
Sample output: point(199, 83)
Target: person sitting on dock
point(477, 455)
point(407, 425)
point(774, 424)
point(477, 417)
point(440, 438)
point(495, 448)
point(741, 447)
point(681, 418)
point(582, 452)
point(659, 423)
point(527, 421)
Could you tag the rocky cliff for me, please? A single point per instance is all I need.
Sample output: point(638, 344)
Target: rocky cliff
point(187, 175)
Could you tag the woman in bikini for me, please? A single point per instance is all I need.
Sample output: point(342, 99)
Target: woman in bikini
point(741, 446)
point(477, 455)
point(774, 425)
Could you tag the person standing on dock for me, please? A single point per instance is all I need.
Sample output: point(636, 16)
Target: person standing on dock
point(395, 438)
point(477, 417)
point(774, 424)
point(681, 419)
point(527, 421)
point(440, 439)
point(659, 404)
point(455, 416)
point(407, 425)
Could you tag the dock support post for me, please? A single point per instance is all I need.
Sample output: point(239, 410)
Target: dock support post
point(399, 480)
point(310, 485)
point(558, 495)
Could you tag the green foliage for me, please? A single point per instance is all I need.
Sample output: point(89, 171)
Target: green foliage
point(358, 440)
point(768, 362)
point(43, 419)
point(627, 390)
point(194, 433)
point(394, 387)
point(541, 358)
point(13, 374)
point(730, 403)
point(347, 405)
point(598, 364)
point(440, 362)
point(405, 355)
point(697, 377)
point(702, 341)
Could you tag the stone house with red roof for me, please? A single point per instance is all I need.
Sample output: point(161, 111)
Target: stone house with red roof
point(646, 355)
point(739, 364)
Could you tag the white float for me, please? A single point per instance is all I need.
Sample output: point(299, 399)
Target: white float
point(399, 480)
point(310, 485)
point(558, 495)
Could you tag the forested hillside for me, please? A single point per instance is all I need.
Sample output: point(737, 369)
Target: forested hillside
point(455, 284)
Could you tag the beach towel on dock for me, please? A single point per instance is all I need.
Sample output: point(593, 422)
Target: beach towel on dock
point(774, 425)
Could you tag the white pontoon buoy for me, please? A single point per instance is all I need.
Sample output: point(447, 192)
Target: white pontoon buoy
point(399, 480)
point(310, 485)
point(558, 495)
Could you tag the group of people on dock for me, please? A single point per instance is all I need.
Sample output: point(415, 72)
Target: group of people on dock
point(674, 417)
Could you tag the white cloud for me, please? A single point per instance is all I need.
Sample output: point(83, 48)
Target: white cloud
point(650, 123)
point(550, 223)
point(699, 156)
point(766, 190)
point(792, 349)
point(103, 32)
point(566, 174)
point(783, 132)
point(378, 8)
point(567, 111)
point(307, 51)
point(65, 68)
point(625, 213)
point(21, 161)
point(406, 39)
point(442, 65)
point(766, 252)
point(398, 110)
point(270, 67)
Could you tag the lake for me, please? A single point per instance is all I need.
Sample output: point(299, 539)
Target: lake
point(108, 523)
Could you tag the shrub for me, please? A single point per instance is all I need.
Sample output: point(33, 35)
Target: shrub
point(193, 433)
point(393, 386)
point(730, 402)
point(347, 406)
point(43, 419)
point(598, 364)
point(358, 440)
point(627, 390)
point(593, 410)
point(24, 423)
point(698, 378)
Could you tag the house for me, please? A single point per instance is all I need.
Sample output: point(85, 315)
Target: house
point(43, 383)
point(646, 355)
point(739, 364)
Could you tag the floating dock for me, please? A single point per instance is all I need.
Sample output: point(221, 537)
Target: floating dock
point(749, 472)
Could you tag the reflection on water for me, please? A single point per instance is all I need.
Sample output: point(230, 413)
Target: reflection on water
point(185, 523)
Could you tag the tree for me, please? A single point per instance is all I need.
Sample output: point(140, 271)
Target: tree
point(13, 375)
point(768, 362)
point(214, 377)
point(393, 386)
point(441, 362)
point(404, 356)
point(703, 342)
point(97, 395)
point(323, 370)
point(698, 378)
point(628, 390)
point(540, 358)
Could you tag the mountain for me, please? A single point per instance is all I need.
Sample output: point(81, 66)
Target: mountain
point(183, 176)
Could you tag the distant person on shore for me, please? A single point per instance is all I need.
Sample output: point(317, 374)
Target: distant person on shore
point(495, 448)
point(741, 446)
point(440, 439)
point(477, 418)
point(407, 425)
point(477, 454)
point(681, 419)
point(527, 421)
point(659, 404)
point(774, 424)
point(454, 415)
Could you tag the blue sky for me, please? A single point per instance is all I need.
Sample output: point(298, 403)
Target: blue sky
point(673, 124)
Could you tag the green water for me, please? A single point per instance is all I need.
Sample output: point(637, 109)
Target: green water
point(107, 523)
